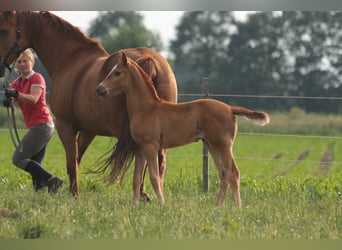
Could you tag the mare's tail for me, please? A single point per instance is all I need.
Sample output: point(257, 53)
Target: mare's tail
point(120, 158)
point(259, 118)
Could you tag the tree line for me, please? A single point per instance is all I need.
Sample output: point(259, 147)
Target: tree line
point(270, 53)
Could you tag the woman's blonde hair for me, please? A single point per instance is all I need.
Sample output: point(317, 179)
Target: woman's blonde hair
point(28, 53)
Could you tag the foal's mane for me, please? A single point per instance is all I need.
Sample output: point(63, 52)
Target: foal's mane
point(143, 62)
point(62, 26)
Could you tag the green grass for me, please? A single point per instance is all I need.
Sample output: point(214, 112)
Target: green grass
point(284, 196)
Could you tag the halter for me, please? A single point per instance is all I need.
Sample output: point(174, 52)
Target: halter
point(10, 110)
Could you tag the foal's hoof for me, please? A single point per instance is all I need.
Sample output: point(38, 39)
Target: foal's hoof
point(144, 197)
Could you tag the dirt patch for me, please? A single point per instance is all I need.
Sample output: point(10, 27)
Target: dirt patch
point(303, 156)
point(277, 156)
point(327, 158)
point(6, 213)
point(299, 159)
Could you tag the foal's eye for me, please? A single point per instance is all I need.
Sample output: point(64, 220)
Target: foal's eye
point(3, 32)
point(117, 73)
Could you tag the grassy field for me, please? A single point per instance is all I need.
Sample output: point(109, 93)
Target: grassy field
point(291, 188)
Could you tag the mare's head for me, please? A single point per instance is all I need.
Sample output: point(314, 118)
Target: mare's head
point(9, 39)
point(117, 67)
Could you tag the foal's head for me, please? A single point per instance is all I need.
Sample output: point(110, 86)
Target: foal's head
point(121, 72)
point(117, 67)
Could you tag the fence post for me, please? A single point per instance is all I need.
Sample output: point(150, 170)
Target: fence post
point(205, 93)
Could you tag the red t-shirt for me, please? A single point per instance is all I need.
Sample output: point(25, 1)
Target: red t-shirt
point(39, 112)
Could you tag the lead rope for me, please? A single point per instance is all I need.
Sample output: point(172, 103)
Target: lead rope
point(12, 124)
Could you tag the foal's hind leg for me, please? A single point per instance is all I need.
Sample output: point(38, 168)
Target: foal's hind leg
point(228, 173)
point(234, 180)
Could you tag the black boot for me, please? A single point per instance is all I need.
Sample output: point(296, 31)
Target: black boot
point(39, 175)
point(53, 184)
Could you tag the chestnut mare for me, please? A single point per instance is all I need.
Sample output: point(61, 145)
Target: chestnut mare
point(76, 64)
point(156, 124)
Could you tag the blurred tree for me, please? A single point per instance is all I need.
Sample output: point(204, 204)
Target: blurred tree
point(257, 64)
point(123, 29)
point(201, 44)
point(255, 58)
point(314, 39)
point(271, 53)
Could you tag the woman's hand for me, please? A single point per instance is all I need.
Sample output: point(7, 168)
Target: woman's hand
point(11, 93)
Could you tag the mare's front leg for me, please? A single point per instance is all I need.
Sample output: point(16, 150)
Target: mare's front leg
point(67, 135)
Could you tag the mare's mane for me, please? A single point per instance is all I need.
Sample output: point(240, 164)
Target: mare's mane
point(62, 26)
point(145, 62)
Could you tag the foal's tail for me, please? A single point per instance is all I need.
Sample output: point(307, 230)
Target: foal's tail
point(259, 118)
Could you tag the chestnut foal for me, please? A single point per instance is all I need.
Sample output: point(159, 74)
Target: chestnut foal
point(157, 124)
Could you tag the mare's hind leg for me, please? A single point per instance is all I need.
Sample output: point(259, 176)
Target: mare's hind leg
point(67, 135)
point(83, 141)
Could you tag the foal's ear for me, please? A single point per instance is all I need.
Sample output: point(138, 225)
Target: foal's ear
point(123, 57)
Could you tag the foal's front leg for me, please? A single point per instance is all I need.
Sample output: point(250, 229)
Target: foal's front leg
point(138, 176)
point(153, 168)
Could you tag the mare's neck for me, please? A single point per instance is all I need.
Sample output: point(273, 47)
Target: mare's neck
point(53, 47)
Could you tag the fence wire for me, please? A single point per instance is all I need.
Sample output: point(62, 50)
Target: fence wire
point(251, 96)
point(243, 158)
point(246, 158)
point(201, 95)
point(264, 96)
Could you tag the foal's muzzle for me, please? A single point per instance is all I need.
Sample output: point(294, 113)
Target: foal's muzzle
point(101, 91)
